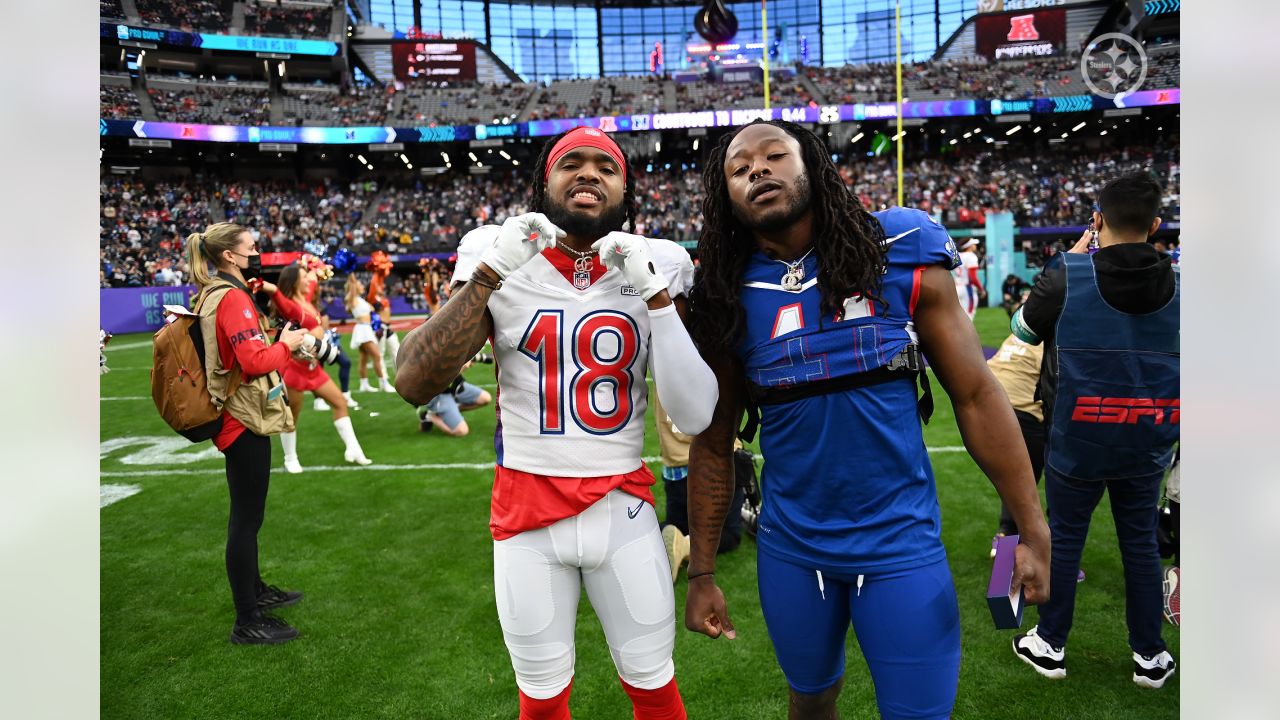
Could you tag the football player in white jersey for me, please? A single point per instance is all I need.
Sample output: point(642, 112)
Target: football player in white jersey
point(577, 311)
point(969, 288)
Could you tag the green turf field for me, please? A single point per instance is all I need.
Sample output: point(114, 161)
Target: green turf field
point(396, 562)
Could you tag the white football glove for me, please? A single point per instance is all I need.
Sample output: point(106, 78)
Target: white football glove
point(515, 245)
point(630, 255)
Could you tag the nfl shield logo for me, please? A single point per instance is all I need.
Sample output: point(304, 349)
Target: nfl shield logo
point(581, 281)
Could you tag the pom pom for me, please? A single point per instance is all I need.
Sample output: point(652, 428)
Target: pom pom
point(344, 261)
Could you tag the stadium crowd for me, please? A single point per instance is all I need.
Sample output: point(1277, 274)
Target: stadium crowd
point(432, 214)
point(277, 19)
point(188, 15)
point(426, 102)
point(213, 105)
point(118, 102)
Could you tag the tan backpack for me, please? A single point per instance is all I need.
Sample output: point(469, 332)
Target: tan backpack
point(178, 384)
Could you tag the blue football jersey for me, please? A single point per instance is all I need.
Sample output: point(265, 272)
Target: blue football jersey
point(847, 482)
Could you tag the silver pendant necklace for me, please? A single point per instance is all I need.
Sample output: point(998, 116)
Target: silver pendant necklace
point(793, 278)
point(582, 266)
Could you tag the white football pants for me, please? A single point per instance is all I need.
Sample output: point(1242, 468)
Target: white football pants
point(615, 549)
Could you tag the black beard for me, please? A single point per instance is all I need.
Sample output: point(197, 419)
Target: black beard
point(798, 199)
point(584, 226)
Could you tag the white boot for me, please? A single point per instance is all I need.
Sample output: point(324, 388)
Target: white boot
point(384, 383)
point(290, 442)
point(320, 404)
point(351, 402)
point(366, 387)
point(393, 349)
point(353, 453)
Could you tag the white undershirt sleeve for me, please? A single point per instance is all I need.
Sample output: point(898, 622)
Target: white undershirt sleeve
point(685, 383)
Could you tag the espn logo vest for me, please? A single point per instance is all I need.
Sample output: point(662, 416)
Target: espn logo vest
point(1126, 410)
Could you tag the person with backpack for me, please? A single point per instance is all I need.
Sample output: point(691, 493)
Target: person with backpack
point(242, 369)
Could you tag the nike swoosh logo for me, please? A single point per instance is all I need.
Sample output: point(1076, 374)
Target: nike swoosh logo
point(900, 236)
point(633, 512)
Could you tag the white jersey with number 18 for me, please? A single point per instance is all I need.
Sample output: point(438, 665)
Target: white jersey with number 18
point(572, 356)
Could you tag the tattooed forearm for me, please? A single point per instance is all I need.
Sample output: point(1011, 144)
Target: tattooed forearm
point(433, 354)
point(711, 481)
point(711, 485)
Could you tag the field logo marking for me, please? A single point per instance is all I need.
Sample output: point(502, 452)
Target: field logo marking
point(115, 493)
point(158, 450)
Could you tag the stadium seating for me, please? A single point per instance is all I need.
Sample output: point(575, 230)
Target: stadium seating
point(110, 9)
point(211, 103)
point(287, 20)
point(211, 15)
point(424, 103)
point(328, 105)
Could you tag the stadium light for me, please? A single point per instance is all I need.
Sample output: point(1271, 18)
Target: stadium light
point(1036, 130)
point(1104, 132)
point(968, 135)
point(898, 137)
point(362, 160)
point(504, 154)
point(473, 157)
point(856, 138)
point(657, 146)
point(1064, 135)
point(515, 162)
point(977, 131)
point(446, 158)
point(695, 143)
point(943, 131)
point(1082, 124)
point(410, 166)
point(1012, 130)
point(955, 140)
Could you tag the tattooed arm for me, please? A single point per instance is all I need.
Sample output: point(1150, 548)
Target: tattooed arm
point(710, 486)
point(433, 354)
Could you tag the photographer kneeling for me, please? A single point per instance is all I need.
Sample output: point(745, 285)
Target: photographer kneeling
point(444, 411)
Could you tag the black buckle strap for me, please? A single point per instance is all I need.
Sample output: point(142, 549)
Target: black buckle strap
point(906, 365)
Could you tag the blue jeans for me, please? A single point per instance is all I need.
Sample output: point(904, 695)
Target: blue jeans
point(1133, 505)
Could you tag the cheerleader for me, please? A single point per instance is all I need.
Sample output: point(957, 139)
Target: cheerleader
point(301, 376)
point(388, 340)
point(363, 338)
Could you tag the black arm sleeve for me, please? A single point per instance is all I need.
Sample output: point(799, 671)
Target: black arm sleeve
point(1044, 304)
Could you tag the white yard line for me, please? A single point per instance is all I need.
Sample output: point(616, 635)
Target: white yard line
point(376, 467)
point(112, 347)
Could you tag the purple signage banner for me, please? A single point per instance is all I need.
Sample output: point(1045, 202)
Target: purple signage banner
point(130, 310)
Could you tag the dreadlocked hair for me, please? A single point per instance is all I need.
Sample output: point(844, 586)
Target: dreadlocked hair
point(847, 240)
point(538, 199)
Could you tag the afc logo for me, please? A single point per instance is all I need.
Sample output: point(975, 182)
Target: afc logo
point(1126, 410)
point(1023, 27)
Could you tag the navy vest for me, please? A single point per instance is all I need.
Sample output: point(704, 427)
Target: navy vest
point(1116, 413)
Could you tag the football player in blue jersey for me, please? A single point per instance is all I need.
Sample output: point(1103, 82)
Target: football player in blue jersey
point(814, 313)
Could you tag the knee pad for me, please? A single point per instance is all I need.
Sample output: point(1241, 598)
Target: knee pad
point(645, 662)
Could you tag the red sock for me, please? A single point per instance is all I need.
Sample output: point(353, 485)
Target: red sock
point(663, 703)
point(554, 708)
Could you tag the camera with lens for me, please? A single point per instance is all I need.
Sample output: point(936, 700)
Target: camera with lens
point(321, 350)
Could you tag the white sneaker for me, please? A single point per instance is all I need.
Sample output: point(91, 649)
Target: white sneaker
point(1041, 656)
point(357, 457)
point(351, 402)
point(292, 465)
point(366, 387)
point(320, 404)
point(1151, 672)
point(387, 386)
point(677, 544)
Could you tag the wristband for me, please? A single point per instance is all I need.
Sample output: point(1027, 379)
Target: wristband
point(698, 575)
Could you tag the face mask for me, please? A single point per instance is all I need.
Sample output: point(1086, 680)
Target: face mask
point(254, 268)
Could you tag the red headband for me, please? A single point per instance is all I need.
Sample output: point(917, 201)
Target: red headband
point(586, 137)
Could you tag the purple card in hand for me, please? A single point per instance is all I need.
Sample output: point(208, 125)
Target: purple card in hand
point(1006, 606)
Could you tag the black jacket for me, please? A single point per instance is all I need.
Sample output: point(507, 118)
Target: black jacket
point(1133, 278)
